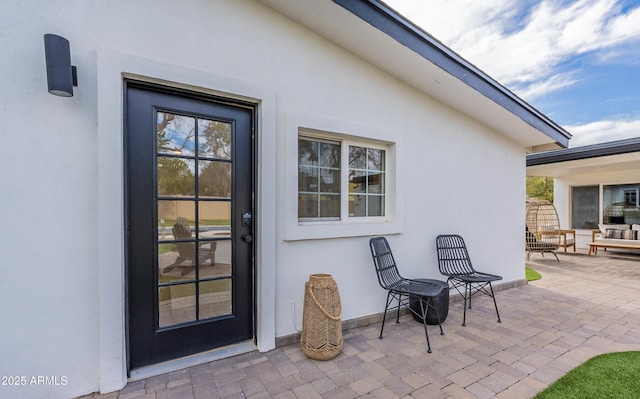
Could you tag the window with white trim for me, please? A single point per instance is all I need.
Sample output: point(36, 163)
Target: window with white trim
point(340, 177)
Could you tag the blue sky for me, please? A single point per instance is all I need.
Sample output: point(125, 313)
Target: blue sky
point(577, 61)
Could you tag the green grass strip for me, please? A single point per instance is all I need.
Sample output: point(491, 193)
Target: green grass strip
point(531, 274)
point(608, 376)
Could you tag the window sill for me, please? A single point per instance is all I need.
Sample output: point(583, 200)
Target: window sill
point(341, 229)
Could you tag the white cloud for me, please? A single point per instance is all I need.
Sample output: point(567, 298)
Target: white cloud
point(520, 47)
point(555, 82)
point(603, 131)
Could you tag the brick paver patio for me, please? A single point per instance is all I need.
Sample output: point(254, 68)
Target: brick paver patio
point(583, 306)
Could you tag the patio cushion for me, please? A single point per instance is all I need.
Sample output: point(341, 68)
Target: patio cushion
point(622, 234)
point(604, 227)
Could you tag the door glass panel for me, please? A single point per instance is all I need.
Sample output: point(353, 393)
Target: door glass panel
point(215, 219)
point(176, 262)
point(176, 134)
point(177, 304)
point(176, 176)
point(218, 264)
point(169, 212)
point(214, 139)
point(214, 179)
point(215, 298)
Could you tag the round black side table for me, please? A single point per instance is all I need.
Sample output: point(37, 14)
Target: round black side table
point(441, 302)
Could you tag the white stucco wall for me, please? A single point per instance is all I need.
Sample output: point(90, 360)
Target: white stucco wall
point(62, 175)
point(562, 195)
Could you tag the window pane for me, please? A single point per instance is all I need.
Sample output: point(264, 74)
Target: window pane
point(329, 155)
point(367, 181)
point(584, 207)
point(357, 205)
point(357, 157)
point(215, 259)
point(329, 181)
point(375, 205)
point(214, 139)
point(307, 206)
point(375, 183)
point(214, 179)
point(215, 298)
point(307, 152)
point(375, 159)
point(168, 214)
point(175, 134)
point(318, 178)
point(214, 219)
point(176, 176)
point(177, 304)
point(307, 179)
point(169, 255)
point(329, 206)
point(620, 204)
point(357, 182)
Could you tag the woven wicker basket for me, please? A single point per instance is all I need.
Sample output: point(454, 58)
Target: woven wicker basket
point(321, 319)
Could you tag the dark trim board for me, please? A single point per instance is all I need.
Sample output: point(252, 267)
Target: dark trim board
point(617, 147)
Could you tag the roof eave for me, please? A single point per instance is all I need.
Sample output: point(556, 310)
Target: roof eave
point(590, 151)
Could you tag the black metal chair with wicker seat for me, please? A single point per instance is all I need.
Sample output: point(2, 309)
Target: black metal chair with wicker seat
point(455, 263)
point(400, 288)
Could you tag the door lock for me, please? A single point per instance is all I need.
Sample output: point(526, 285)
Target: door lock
point(247, 219)
point(247, 238)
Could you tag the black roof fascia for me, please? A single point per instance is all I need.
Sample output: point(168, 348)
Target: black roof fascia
point(585, 152)
point(387, 20)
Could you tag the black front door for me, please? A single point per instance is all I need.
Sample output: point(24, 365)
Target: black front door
point(189, 216)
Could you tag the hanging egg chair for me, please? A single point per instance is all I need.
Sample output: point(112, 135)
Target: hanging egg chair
point(542, 228)
point(621, 213)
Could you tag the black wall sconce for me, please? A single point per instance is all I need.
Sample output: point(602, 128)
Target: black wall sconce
point(61, 75)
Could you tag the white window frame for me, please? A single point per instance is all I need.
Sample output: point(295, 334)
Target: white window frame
point(347, 134)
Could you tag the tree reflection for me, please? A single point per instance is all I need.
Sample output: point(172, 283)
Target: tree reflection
point(215, 179)
point(214, 139)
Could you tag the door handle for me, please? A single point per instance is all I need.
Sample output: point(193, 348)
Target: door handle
point(247, 238)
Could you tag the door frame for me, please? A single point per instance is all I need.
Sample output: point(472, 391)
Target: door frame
point(110, 316)
point(197, 96)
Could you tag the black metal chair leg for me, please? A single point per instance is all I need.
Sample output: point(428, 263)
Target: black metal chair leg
point(384, 316)
point(435, 308)
point(494, 302)
point(399, 303)
point(464, 314)
point(424, 308)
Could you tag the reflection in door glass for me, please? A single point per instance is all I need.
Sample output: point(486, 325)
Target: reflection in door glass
point(214, 139)
point(214, 179)
point(176, 176)
point(176, 134)
point(215, 298)
point(193, 218)
point(177, 304)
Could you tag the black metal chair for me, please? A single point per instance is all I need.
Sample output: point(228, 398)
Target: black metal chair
point(455, 263)
point(402, 289)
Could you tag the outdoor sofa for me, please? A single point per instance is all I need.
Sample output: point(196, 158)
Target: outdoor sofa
point(619, 236)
